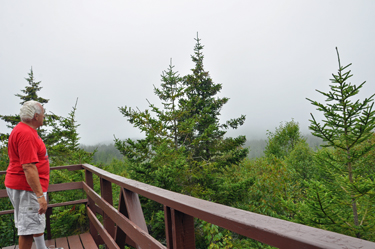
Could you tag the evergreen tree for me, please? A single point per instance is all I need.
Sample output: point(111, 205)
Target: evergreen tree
point(341, 199)
point(205, 139)
point(66, 150)
point(30, 93)
point(161, 127)
point(170, 155)
point(58, 133)
point(62, 142)
point(189, 121)
point(170, 93)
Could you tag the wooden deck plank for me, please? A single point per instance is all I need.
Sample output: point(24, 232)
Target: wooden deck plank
point(62, 242)
point(82, 241)
point(75, 242)
point(51, 242)
point(87, 241)
point(9, 247)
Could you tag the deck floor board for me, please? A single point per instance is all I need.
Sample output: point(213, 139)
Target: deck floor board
point(82, 241)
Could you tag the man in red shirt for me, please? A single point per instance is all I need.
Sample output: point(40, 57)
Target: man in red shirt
point(27, 176)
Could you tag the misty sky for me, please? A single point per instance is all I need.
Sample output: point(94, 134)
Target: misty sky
point(268, 55)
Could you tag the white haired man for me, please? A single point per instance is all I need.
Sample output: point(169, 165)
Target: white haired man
point(27, 176)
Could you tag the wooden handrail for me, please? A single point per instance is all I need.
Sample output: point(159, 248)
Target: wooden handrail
point(180, 211)
point(269, 230)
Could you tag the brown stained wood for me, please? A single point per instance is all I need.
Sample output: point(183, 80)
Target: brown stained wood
point(120, 236)
point(88, 242)
point(134, 209)
point(82, 241)
point(106, 192)
point(68, 203)
point(7, 212)
point(48, 222)
point(83, 201)
point(74, 242)
point(168, 227)
point(269, 230)
point(64, 186)
point(68, 167)
point(139, 236)
point(182, 230)
point(3, 193)
point(62, 242)
point(108, 240)
point(98, 210)
point(91, 204)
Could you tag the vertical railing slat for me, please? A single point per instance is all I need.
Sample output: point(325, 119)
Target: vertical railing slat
point(90, 182)
point(183, 235)
point(168, 227)
point(134, 209)
point(106, 192)
point(121, 237)
point(48, 223)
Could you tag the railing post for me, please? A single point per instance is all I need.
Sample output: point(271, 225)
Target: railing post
point(130, 207)
point(168, 227)
point(48, 223)
point(106, 192)
point(91, 205)
point(179, 228)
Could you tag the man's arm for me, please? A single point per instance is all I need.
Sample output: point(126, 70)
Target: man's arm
point(32, 178)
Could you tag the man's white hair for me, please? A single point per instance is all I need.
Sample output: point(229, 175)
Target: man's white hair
point(29, 109)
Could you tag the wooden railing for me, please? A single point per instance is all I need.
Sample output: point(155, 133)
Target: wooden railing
point(126, 225)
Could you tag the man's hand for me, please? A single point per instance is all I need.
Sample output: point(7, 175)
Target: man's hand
point(42, 205)
point(32, 178)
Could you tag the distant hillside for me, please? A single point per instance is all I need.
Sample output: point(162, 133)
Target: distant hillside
point(106, 152)
point(257, 145)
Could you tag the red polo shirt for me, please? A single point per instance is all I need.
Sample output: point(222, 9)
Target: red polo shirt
point(25, 146)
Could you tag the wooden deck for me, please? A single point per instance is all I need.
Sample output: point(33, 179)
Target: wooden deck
point(82, 241)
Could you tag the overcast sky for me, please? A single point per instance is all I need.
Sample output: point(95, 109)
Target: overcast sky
point(268, 55)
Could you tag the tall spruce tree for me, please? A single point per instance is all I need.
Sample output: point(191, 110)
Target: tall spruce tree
point(189, 120)
point(29, 93)
point(202, 107)
point(169, 156)
point(341, 199)
point(170, 93)
point(160, 126)
point(58, 133)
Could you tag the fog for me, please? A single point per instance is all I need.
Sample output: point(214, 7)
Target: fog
point(268, 55)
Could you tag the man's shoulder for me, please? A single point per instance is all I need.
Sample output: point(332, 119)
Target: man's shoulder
point(23, 131)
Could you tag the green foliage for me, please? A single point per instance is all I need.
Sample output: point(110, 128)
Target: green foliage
point(66, 150)
point(283, 140)
point(214, 238)
point(30, 93)
point(340, 199)
point(185, 137)
point(301, 161)
point(62, 141)
point(201, 109)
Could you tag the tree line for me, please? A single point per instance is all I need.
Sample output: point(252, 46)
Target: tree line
point(185, 149)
